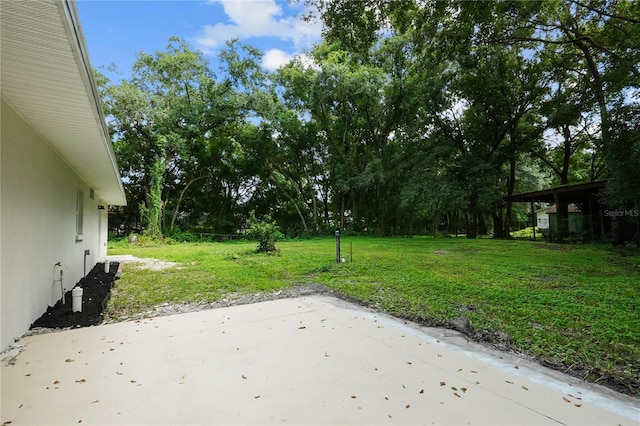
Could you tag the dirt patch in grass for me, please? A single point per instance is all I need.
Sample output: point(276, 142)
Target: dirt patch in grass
point(233, 299)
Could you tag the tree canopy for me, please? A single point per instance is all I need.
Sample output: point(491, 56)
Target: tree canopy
point(410, 116)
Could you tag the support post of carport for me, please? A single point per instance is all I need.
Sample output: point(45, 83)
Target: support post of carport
point(533, 215)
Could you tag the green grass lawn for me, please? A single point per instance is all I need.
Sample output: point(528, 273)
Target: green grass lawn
point(574, 307)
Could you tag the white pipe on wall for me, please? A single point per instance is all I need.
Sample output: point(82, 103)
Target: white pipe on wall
point(62, 289)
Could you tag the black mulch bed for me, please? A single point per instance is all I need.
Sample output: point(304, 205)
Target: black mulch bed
point(96, 288)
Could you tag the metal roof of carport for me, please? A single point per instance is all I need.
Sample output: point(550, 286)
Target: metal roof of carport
point(570, 192)
point(47, 78)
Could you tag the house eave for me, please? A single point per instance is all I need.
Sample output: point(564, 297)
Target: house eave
point(47, 78)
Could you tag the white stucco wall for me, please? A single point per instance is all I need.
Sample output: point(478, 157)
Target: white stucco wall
point(38, 226)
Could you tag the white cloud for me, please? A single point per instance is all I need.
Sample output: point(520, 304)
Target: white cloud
point(275, 58)
point(254, 19)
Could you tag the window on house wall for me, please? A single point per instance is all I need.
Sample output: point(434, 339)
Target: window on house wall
point(79, 215)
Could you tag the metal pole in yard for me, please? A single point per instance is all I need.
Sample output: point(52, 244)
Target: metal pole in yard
point(533, 215)
point(338, 246)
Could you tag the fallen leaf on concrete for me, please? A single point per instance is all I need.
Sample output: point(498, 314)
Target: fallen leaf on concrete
point(386, 398)
point(516, 367)
point(302, 327)
point(97, 400)
point(454, 388)
point(421, 390)
point(244, 377)
point(133, 381)
point(408, 405)
point(257, 396)
point(69, 360)
point(56, 382)
point(459, 370)
point(578, 405)
point(464, 390)
point(409, 362)
point(118, 373)
point(474, 371)
point(353, 397)
point(566, 399)
point(525, 388)
point(80, 381)
point(508, 381)
point(442, 383)
point(456, 394)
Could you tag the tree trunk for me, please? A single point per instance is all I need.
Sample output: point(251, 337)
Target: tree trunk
point(511, 183)
point(175, 211)
point(325, 204)
point(302, 219)
point(564, 175)
point(316, 227)
point(153, 216)
point(342, 201)
point(498, 225)
point(482, 227)
point(472, 226)
point(472, 218)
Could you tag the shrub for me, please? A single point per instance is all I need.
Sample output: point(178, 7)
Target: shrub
point(265, 231)
point(184, 236)
point(526, 233)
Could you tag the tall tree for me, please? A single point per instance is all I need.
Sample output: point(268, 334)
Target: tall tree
point(592, 43)
point(159, 119)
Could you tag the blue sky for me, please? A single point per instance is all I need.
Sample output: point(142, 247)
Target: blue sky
point(116, 30)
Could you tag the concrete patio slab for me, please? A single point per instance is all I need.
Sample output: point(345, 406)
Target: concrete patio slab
point(309, 360)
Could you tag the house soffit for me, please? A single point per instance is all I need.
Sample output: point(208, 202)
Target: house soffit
point(47, 79)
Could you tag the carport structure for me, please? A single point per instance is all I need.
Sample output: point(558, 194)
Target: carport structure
point(587, 196)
